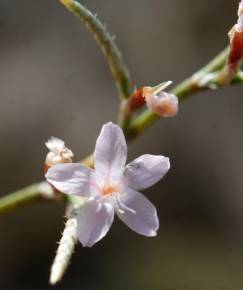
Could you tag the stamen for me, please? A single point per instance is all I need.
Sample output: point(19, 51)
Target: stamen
point(120, 205)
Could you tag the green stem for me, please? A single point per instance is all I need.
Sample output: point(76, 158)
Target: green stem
point(238, 78)
point(29, 194)
point(106, 43)
point(189, 85)
point(185, 89)
point(217, 63)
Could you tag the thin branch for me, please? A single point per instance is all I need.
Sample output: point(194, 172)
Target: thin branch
point(29, 194)
point(205, 79)
point(106, 43)
point(238, 79)
point(216, 63)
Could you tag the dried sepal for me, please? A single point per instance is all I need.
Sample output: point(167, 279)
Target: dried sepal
point(58, 153)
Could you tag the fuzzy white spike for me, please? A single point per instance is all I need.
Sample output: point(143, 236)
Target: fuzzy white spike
point(64, 251)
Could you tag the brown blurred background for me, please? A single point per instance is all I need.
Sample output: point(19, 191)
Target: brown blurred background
point(54, 81)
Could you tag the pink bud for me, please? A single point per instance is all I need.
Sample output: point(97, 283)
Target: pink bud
point(161, 103)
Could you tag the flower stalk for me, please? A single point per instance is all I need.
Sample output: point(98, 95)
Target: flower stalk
point(205, 79)
point(106, 43)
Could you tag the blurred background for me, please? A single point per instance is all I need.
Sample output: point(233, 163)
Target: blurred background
point(54, 81)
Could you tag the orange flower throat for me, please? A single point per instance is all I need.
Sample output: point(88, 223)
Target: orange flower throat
point(108, 190)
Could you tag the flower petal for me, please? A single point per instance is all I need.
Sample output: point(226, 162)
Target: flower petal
point(110, 153)
point(138, 213)
point(72, 178)
point(145, 171)
point(94, 221)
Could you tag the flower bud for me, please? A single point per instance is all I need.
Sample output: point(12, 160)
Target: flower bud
point(58, 153)
point(161, 103)
point(236, 51)
point(237, 29)
point(240, 19)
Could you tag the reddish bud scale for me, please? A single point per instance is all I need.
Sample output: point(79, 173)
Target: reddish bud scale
point(137, 100)
point(236, 48)
point(46, 167)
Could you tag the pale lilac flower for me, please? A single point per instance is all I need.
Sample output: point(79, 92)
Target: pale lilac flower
point(59, 153)
point(111, 187)
point(161, 103)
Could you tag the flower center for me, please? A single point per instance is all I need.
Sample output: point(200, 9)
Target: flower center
point(108, 190)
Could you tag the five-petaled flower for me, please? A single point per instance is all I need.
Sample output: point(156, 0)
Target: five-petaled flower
point(111, 187)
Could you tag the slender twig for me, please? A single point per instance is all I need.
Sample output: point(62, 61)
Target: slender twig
point(216, 63)
point(197, 82)
point(29, 194)
point(238, 78)
point(33, 193)
point(106, 43)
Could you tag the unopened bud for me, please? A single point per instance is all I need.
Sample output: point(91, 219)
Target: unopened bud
point(59, 153)
point(236, 51)
point(240, 19)
point(161, 103)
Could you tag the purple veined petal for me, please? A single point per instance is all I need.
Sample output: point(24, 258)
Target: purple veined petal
point(94, 221)
point(110, 153)
point(137, 212)
point(72, 178)
point(145, 171)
